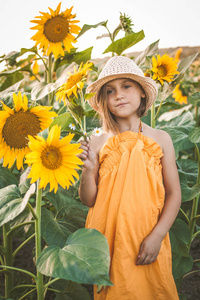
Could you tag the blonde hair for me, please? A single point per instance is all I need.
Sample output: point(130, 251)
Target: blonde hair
point(108, 119)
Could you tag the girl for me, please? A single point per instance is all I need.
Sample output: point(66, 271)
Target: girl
point(131, 184)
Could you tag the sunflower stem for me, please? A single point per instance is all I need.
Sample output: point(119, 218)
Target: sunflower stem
point(153, 121)
point(39, 281)
point(195, 200)
point(83, 105)
point(7, 245)
point(49, 79)
point(158, 110)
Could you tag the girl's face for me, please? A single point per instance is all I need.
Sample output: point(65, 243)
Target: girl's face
point(123, 97)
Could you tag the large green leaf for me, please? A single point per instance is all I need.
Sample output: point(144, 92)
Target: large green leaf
point(181, 265)
point(86, 27)
point(70, 290)
point(149, 51)
point(13, 88)
point(126, 42)
point(180, 139)
point(185, 63)
point(13, 71)
point(189, 193)
point(194, 99)
point(63, 120)
point(189, 168)
point(73, 57)
point(24, 183)
point(11, 80)
point(42, 89)
point(194, 135)
point(84, 259)
point(184, 122)
point(11, 203)
point(66, 203)
point(70, 212)
point(180, 237)
point(53, 232)
point(7, 177)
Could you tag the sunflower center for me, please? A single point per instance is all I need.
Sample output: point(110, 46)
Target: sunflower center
point(56, 29)
point(73, 80)
point(17, 128)
point(51, 158)
point(162, 72)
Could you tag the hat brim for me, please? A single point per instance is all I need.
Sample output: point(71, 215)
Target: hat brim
point(148, 85)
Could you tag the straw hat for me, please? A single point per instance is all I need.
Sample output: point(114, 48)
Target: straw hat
point(122, 67)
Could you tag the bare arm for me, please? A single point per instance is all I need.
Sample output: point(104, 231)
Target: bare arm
point(150, 247)
point(89, 177)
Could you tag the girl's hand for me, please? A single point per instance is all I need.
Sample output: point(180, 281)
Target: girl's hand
point(87, 156)
point(149, 249)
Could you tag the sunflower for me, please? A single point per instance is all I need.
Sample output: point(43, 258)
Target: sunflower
point(74, 82)
point(179, 97)
point(163, 68)
point(55, 31)
point(53, 160)
point(15, 126)
point(177, 54)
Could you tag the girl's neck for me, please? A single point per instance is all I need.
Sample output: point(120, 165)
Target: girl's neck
point(129, 125)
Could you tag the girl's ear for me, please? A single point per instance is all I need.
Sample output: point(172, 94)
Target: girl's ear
point(143, 95)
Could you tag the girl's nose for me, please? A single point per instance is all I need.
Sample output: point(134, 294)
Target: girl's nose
point(119, 95)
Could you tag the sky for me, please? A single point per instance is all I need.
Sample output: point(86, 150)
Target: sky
point(175, 23)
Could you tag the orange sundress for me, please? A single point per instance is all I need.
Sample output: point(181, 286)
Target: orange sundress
point(129, 202)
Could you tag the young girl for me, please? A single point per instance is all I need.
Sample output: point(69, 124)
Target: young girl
point(131, 184)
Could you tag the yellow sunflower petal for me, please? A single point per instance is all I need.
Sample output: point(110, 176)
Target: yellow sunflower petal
point(53, 28)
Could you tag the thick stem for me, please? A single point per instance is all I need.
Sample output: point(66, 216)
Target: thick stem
point(39, 281)
point(49, 79)
point(83, 106)
point(153, 121)
point(195, 203)
point(158, 110)
point(7, 244)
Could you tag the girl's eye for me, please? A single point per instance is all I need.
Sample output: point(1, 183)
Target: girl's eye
point(127, 86)
point(109, 92)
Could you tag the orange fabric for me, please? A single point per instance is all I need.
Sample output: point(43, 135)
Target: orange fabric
point(129, 202)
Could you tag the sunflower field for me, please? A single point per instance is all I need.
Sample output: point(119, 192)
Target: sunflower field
point(44, 113)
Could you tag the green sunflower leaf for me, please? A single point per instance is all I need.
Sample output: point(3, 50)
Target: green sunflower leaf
point(86, 27)
point(63, 120)
point(180, 237)
point(189, 193)
point(148, 52)
point(194, 135)
point(7, 178)
point(69, 290)
point(85, 258)
point(11, 203)
point(126, 42)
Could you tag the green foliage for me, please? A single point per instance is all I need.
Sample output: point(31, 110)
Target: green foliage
point(87, 27)
point(126, 42)
point(83, 259)
point(11, 203)
point(70, 291)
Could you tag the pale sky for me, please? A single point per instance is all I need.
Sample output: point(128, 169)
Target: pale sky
point(175, 22)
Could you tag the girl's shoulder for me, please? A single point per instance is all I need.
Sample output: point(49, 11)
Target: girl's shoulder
point(97, 142)
point(161, 137)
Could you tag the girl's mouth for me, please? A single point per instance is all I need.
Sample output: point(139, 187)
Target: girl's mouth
point(121, 104)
